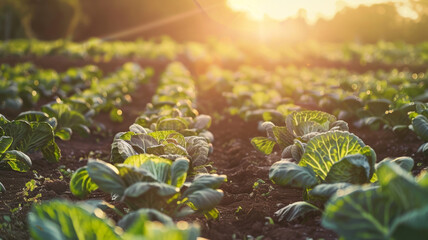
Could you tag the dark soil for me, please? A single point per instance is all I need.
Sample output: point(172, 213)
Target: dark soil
point(247, 208)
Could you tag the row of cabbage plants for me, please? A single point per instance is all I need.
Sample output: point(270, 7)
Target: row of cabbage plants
point(214, 50)
point(24, 85)
point(384, 99)
point(359, 197)
point(35, 131)
point(158, 170)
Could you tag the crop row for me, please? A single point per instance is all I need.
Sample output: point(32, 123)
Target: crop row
point(158, 169)
point(387, 53)
point(384, 99)
point(35, 131)
point(76, 95)
point(359, 196)
point(24, 85)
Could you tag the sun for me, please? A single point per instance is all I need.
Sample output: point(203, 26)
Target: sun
point(311, 9)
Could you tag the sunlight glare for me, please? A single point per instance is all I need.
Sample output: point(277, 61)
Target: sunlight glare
point(312, 9)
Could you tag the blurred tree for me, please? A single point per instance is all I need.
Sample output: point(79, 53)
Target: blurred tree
point(83, 19)
point(364, 24)
point(77, 17)
point(55, 19)
point(110, 16)
point(32, 12)
point(25, 11)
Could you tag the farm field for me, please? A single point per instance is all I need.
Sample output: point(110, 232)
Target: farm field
point(159, 138)
point(237, 102)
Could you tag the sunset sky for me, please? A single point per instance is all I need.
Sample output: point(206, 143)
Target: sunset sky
point(282, 9)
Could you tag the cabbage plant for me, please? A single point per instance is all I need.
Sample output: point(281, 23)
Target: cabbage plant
point(330, 161)
point(16, 160)
point(112, 91)
point(173, 106)
point(21, 137)
point(419, 125)
point(9, 95)
point(301, 126)
point(61, 219)
point(166, 143)
point(382, 112)
point(173, 119)
point(72, 116)
point(56, 121)
point(321, 193)
point(23, 84)
point(149, 181)
point(396, 208)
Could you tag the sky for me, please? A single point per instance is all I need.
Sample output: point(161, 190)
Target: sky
point(282, 9)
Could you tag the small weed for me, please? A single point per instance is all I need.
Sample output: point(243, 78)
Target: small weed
point(257, 183)
point(14, 210)
point(36, 175)
point(30, 186)
point(268, 193)
point(238, 209)
point(65, 172)
point(33, 199)
point(269, 221)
